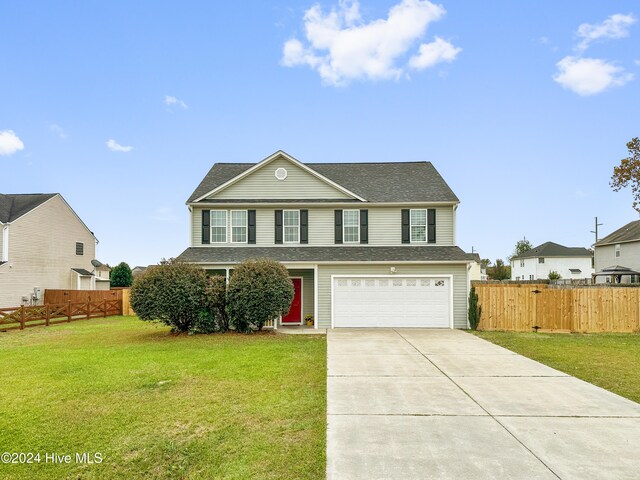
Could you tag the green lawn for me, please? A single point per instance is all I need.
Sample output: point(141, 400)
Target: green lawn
point(609, 360)
point(157, 405)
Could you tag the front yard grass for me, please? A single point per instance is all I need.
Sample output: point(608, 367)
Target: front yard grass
point(608, 360)
point(158, 405)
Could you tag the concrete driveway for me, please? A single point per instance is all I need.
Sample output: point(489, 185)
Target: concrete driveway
point(444, 404)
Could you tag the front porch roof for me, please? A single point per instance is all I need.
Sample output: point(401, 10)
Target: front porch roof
point(342, 253)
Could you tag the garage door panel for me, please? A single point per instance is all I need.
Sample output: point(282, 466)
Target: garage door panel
point(399, 301)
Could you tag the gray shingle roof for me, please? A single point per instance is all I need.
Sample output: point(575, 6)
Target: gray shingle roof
point(550, 249)
point(83, 272)
point(326, 254)
point(376, 182)
point(628, 233)
point(13, 206)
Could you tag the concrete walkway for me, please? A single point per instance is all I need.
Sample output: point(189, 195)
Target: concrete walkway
point(444, 404)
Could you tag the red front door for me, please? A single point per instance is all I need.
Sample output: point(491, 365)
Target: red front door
point(295, 312)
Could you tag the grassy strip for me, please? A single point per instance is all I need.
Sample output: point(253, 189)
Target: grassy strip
point(608, 360)
point(158, 405)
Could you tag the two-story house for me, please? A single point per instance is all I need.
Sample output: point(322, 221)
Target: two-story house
point(43, 244)
point(366, 244)
point(617, 256)
point(572, 263)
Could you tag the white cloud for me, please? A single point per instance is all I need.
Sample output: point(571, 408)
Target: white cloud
point(616, 26)
point(10, 143)
point(637, 62)
point(343, 47)
point(58, 130)
point(588, 76)
point(171, 101)
point(116, 147)
point(433, 53)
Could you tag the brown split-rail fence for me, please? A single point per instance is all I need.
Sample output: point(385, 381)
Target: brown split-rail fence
point(49, 314)
point(521, 307)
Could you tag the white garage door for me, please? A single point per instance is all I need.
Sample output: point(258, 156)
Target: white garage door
point(393, 301)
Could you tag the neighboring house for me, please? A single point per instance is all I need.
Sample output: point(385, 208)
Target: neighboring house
point(137, 271)
point(102, 272)
point(366, 244)
point(619, 249)
point(44, 244)
point(572, 263)
point(477, 272)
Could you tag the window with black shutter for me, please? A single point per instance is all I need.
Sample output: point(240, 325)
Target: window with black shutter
point(251, 222)
point(364, 226)
point(338, 226)
point(431, 225)
point(278, 226)
point(304, 226)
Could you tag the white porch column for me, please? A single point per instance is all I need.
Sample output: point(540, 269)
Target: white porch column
point(315, 296)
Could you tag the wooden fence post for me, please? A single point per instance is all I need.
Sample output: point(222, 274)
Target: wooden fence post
point(88, 309)
point(22, 317)
point(69, 312)
point(105, 308)
point(47, 317)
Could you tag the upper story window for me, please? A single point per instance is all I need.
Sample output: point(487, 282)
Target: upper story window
point(522, 263)
point(617, 247)
point(79, 248)
point(238, 226)
point(218, 226)
point(291, 225)
point(418, 226)
point(541, 260)
point(351, 226)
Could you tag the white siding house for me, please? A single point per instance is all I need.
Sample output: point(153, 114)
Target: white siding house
point(572, 263)
point(619, 249)
point(45, 245)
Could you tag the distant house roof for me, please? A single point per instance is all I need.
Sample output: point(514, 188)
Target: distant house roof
point(550, 249)
point(326, 254)
point(375, 182)
point(82, 272)
point(629, 233)
point(13, 206)
point(616, 270)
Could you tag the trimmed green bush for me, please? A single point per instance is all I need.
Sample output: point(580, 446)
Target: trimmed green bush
point(216, 301)
point(173, 294)
point(121, 275)
point(553, 275)
point(475, 310)
point(259, 290)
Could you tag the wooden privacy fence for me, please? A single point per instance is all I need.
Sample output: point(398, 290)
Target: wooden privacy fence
point(80, 296)
point(48, 314)
point(590, 309)
point(126, 303)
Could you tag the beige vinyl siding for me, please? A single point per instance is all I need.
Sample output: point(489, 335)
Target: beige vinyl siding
point(384, 226)
point(262, 184)
point(307, 289)
point(460, 285)
point(42, 251)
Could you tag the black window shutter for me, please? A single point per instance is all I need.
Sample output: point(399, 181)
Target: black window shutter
point(338, 226)
point(406, 226)
point(431, 225)
point(364, 226)
point(251, 226)
point(278, 238)
point(304, 226)
point(206, 226)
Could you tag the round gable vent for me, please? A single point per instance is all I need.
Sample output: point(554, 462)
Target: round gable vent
point(281, 173)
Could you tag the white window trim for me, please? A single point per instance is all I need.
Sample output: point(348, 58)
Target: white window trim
point(426, 225)
point(284, 237)
point(246, 225)
point(212, 226)
point(344, 225)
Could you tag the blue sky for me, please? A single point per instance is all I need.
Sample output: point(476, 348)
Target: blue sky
point(523, 107)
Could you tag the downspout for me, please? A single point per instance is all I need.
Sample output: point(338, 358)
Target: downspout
point(5, 243)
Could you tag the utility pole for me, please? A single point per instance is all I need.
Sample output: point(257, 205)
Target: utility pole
point(596, 230)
